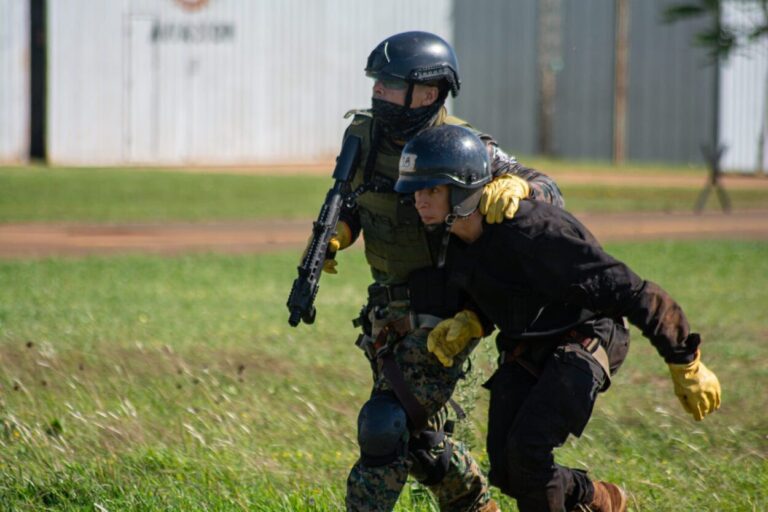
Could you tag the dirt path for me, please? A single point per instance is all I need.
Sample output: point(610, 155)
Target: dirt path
point(43, 240)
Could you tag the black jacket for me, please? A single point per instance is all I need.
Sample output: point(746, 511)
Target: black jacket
point(544, 271)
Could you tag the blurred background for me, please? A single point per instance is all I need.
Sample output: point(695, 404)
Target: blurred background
point(242, 82)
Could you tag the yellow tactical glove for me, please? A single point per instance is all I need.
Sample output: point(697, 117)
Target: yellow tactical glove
point(697, 387)
point(341, 240)
point(502, 196)
point(452, 335)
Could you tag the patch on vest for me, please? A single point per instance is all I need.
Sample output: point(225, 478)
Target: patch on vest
point(407, 162)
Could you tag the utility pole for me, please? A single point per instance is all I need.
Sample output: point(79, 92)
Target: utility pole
point(37, 78)
point(620, 81)
point(550, 61)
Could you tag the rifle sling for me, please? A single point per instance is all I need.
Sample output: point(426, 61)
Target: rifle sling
point(415, 411)
point(394, 375)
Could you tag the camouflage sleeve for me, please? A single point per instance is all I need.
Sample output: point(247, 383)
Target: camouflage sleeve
point(543, 188)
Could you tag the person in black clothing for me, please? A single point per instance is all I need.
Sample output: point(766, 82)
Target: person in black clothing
point(559, 303)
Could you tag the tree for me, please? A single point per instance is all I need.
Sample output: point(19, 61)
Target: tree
point(721, 39)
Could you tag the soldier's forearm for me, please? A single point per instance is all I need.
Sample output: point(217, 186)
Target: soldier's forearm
point(351, 217)
point(543, 188)
point(663, 322)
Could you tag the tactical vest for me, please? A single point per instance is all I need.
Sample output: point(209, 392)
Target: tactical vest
point(395, 241)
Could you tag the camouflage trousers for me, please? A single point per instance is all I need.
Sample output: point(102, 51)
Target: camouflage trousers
point(463, 487)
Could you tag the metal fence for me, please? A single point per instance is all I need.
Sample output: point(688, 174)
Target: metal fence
point(654, 102)
point(744, 96)
point(228, 82)
point(14, 80)
point(252, 82)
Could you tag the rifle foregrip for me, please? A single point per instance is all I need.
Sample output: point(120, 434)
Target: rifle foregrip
point(295, 317)
point(301, 302)
point(300, 315)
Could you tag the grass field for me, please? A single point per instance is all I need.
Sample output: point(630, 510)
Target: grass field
point(147, 383)
point(37, 194)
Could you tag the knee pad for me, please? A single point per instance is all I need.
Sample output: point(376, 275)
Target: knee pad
point(382, 430)
point(431, 455)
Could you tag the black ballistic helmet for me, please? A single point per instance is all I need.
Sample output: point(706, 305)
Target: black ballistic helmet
point(446, 155)
point(417, 57)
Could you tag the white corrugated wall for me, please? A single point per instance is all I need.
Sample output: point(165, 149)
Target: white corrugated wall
point(231, 82)
point(744, 96)
point(14, 81)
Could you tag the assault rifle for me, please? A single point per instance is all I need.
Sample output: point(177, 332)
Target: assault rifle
point(301, 301)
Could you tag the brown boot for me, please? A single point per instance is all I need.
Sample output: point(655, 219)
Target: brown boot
point(608, 498)
point(490, 506)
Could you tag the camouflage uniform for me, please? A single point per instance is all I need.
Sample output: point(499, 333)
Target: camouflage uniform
point(463, 486)
point(396, 245)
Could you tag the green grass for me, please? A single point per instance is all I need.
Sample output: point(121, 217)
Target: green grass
point(570, 165)
point(603, 199)
point(146, 383)
point(113, 195)
point(38, 194)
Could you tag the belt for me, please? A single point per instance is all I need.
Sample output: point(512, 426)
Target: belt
point(509, 356)
point(590, 344)
point(381, 295)
point(403, 326)
point(594, 347)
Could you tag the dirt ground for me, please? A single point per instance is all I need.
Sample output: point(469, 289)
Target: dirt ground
point(34, 240)
point(37, 240)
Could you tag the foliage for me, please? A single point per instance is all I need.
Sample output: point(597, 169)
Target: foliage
point(722, 39)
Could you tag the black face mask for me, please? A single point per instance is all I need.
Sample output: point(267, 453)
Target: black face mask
point(402, 123)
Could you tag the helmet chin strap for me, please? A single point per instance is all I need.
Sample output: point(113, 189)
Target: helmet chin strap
point(409, 95)
point(450, 219)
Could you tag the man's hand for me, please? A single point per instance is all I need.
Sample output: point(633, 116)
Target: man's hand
point(329, 265)
point(452, 335)
point(697, 387)
point(502, 196)
point(341, 240)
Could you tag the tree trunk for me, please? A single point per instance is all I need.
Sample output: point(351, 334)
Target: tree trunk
point(621, 82)
point(549, 42)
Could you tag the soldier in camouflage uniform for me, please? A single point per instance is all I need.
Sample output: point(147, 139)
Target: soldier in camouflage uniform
point(401, 428)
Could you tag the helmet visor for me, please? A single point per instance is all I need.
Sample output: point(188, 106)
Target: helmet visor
point(409, 184)
point(387, 81)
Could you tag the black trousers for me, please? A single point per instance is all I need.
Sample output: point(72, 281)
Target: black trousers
point(531, 415)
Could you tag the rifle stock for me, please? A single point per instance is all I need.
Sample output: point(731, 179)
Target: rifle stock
point(301, 301)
